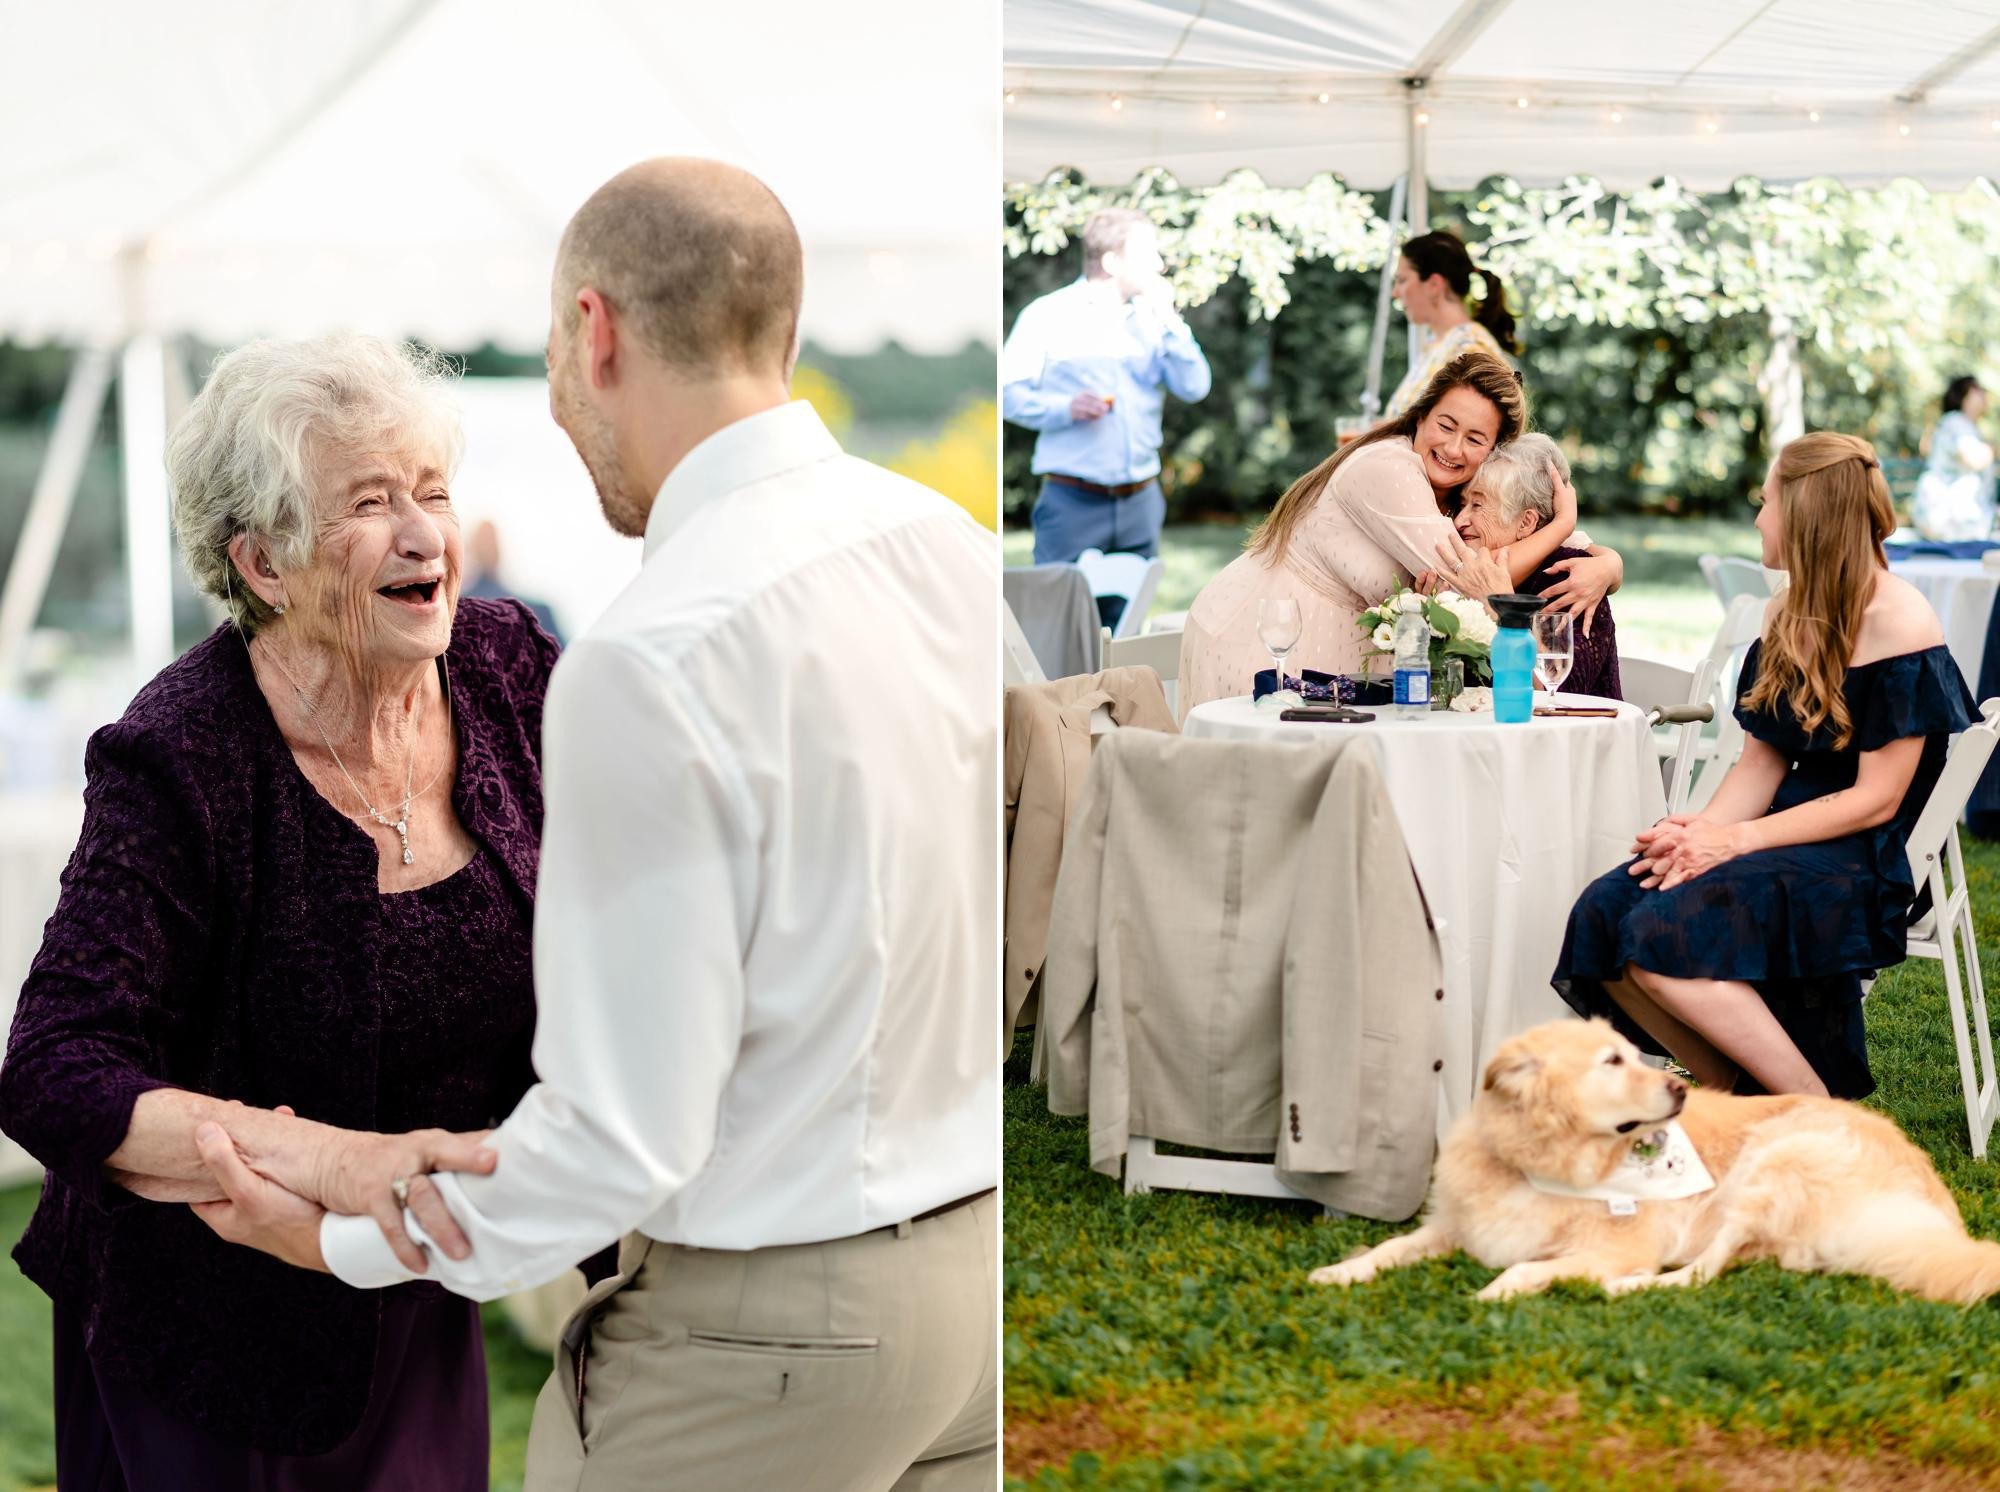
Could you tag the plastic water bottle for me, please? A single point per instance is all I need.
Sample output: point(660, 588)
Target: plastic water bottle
point(1413, 665)
point(1513, 658)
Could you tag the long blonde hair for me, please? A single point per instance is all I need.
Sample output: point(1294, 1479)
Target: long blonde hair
point(1834, 508)
point(1476, 369)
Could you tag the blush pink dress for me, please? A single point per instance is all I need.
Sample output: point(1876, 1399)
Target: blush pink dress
point(1375, 523)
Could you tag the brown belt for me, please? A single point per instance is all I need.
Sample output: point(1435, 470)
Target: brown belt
point(924, 1217)
point(1098, 489)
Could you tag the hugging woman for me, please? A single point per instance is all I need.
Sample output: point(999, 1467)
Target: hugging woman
point(304, 883)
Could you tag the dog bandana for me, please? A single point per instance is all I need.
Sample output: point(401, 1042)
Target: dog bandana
point(1662, 1166)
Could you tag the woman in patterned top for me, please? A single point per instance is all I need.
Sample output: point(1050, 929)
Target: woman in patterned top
point(1433, 278)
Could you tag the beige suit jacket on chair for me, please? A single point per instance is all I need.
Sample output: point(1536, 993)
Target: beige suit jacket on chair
point(1240, 959)
point(1048, 753)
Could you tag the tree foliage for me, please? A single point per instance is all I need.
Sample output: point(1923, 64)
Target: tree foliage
point(1649, 318)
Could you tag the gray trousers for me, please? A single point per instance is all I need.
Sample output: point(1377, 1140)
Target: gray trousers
point(1068, 521)
point(865, 1364)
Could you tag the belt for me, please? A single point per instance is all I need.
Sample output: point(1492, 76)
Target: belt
point(1099, 489)
point(924, 1217)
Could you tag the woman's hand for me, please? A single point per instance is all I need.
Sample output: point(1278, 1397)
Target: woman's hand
point(1585, 582)
point(256, 1212)
point(1472, 572)
point(1682, 846)
point(354, 1173)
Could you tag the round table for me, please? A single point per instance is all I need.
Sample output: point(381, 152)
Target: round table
point(1961, 592)
point(1506, 824)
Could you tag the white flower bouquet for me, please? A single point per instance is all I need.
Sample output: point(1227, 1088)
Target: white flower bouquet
point(1460, 628)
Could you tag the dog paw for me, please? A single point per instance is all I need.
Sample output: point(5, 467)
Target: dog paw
point(1625, 1284)
point(1509, 1283)
point(1353, 1272)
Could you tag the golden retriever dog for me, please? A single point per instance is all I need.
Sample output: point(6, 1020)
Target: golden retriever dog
point(1814, 1183)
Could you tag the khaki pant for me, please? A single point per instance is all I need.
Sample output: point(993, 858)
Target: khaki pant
point(865, 1364)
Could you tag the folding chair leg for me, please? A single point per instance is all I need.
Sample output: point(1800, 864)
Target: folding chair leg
point(1956, 942)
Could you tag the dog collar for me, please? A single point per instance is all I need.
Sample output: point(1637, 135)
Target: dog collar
point(1662, 1166)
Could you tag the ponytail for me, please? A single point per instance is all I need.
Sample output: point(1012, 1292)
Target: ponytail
point(1493, 313)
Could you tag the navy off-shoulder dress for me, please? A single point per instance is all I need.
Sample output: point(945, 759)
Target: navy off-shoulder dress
point(1803, 923)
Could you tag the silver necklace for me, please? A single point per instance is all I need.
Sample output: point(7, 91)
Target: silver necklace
point(401, 823)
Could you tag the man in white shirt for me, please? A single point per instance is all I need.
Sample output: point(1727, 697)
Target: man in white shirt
point(765, 933)
point(1089, 368)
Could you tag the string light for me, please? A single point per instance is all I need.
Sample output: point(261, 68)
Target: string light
point(1903, 130)
point(1520, 103)
point(1617, 116)
point(1326, 98)
point(1423, 117)
point(1711, 125)
point(1220, 113)
point(1010, 98)
point(1813, 116)
point(1994, 124)
point(1117, 104)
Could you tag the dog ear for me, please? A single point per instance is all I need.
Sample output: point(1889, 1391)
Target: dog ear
point(1510, 1070)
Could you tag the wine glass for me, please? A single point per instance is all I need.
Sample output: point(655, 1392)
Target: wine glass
point(1278, 628)
point(1552, 648)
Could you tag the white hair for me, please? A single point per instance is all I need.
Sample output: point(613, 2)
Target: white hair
point(1516, 476)
point(250, 453)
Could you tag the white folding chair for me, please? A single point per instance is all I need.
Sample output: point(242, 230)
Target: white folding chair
point(1730, 577)
point(1019, 664)
point(1945, 932)
point(1159, 651)
point(1132, 577)
point(1674, 697)
point(1715, 755)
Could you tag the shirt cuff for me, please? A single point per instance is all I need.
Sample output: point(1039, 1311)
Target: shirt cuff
point(358, 1254)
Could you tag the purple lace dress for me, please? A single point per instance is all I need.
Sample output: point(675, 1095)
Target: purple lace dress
point(221, 930)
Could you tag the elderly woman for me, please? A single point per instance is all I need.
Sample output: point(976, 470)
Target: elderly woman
point(1367, 518)
point(1514, 495)
point(305, 883)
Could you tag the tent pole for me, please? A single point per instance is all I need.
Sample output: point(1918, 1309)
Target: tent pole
point(49, 508)
point(1420, 194)
point(1378, 336)
point(149, 574)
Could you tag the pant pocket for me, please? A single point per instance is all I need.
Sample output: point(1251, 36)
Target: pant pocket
point(783, 1346)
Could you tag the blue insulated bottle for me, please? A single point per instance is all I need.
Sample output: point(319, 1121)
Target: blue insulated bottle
point(1513, 655)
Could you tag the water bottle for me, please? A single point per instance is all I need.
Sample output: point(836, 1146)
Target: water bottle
point(1513, 658)
point(1413, 665)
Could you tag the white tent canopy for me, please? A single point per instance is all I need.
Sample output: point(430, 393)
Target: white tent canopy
point(1702, 90)
point(232, 168)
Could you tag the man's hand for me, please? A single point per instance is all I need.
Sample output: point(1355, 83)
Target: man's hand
point(1089, 406)
point(253, 1211)
point(354, 1173)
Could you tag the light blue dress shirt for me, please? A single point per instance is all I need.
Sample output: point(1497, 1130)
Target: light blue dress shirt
point(1083, 338)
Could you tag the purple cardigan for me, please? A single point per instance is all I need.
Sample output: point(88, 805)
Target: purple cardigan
point(1593, 660)
point(214, 934)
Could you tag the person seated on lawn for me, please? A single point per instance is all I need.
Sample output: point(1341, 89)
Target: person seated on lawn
point(1510, 497)
point(1737, 938)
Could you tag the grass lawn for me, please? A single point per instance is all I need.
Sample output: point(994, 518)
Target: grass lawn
point(1665, 609)
point(1171, 1340)
point(27, 1451)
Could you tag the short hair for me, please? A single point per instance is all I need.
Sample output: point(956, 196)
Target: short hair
point(249, 453)
point(1106, 233)
point(700, 258)
point(1517, 475)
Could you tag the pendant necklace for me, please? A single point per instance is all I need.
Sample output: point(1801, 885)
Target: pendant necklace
point(401, 822)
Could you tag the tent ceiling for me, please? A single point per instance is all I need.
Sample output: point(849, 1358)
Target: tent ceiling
point(243, 167)
point(1702, 90)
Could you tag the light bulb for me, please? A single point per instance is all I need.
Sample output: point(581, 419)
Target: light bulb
point(1117, 104)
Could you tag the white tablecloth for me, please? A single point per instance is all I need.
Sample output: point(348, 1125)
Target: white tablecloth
point(1506, 824)
point(1961, 593)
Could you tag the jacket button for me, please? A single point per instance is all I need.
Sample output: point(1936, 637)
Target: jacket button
point(1438, 1066)
point(1440, 994)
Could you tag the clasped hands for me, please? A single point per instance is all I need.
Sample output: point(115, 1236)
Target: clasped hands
point(274, 1196)
point(1682, 846)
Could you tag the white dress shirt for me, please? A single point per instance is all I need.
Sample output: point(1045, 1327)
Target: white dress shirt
point(766, 924)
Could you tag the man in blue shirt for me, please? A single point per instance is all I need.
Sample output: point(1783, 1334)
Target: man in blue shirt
point(1089, 367)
